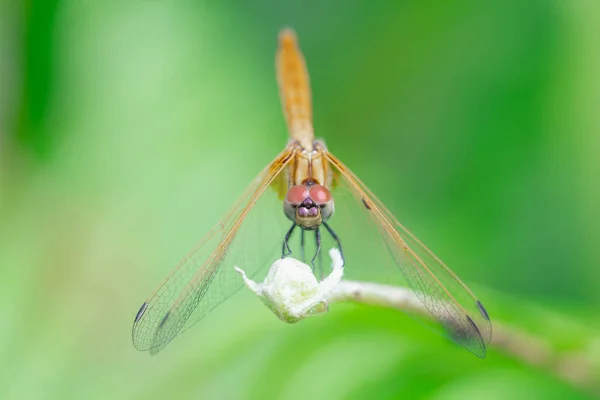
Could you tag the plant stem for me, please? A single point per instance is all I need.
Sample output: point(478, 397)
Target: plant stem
point(574, 368)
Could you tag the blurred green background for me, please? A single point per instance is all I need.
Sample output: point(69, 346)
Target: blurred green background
point(126, 128)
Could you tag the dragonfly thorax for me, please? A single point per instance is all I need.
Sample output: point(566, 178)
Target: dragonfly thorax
point(308, 205)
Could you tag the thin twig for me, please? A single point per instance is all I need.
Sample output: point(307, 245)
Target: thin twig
point(574, 368)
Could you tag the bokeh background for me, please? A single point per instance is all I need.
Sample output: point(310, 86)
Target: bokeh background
point(127, 128)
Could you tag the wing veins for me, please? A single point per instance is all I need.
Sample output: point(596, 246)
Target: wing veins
point(151, 326)
point(222, 248)
point(389, 227)
point(445, 311)
point(385, 216)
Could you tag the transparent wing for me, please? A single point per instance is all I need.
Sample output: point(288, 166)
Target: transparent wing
point(249, 236)
point(361, 220)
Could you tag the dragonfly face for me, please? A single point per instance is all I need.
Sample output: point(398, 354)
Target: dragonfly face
point(308, 205)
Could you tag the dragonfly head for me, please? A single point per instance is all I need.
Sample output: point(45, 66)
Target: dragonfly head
point(308, 205)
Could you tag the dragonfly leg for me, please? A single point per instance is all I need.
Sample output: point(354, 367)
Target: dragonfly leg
point(337, 240)
point(302, 245)
point(318, 238)
point(320, 265)
point(285, 248)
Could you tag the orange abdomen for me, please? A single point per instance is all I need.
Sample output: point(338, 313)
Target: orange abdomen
point(294, 88)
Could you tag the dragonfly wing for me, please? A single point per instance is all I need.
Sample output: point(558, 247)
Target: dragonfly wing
point(249, 236)
point(459, 314)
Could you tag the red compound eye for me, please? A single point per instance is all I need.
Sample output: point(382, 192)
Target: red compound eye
point(296, 194)
point(319, 194)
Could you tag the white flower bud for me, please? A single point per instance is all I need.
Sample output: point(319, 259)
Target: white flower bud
point(292, 291)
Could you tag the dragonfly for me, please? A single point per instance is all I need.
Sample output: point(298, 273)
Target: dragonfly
point(303, 200)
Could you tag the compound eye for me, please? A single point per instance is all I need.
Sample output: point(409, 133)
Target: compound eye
point(320, 195)
point(296, 195)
